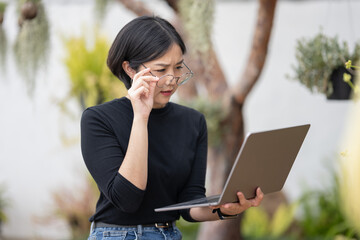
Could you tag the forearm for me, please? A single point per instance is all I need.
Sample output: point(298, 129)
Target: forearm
point(135, 164)
point(228, 209)
point(203, 214)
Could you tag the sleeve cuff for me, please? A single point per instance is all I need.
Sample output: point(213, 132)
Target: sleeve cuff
point(128, 196)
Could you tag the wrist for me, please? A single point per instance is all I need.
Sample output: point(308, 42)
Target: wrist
point(223, 216)
point(141, 118)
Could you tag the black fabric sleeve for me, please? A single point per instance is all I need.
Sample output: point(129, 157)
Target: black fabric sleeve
point(195, 187)
point(103, 156)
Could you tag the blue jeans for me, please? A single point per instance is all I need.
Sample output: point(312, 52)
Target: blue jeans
point(132, 233)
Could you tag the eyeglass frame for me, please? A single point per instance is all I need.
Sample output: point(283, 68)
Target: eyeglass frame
point(174, 77)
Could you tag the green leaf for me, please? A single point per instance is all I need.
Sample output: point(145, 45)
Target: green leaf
point(255, 223)
point(282, 219)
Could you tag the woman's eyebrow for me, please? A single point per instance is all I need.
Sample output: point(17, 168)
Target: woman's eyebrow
point(166, 65)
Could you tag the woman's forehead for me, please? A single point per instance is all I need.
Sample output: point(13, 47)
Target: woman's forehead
point(173, 56)
point(163, 64)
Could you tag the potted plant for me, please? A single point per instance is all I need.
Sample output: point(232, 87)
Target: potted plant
point(75, 206)
point(2, 11)
point(28, 10)
point(3, 38)
point(3, 205)
point(32, 43)
point(91, 81)
point(320, 65)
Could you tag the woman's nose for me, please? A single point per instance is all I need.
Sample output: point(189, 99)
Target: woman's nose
point(171, 81)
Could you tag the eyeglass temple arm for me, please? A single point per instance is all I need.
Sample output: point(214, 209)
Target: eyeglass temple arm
point(147, 67)
point(188, 68)
point(174, 76)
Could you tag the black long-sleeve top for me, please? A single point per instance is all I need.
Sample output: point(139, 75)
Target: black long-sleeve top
point(177, 156)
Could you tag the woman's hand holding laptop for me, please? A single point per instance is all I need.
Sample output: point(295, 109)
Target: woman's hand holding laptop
point(233, 209)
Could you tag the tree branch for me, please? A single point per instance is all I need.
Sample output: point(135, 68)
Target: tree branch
point(208, 73)
point(136, 7)
point(173, 4)
point(259, 50)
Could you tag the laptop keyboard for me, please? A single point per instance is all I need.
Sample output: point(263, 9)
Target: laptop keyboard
point(210, 199)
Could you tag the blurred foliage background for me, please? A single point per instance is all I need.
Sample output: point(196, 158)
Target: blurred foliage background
point(329, 214)
point(91, 80)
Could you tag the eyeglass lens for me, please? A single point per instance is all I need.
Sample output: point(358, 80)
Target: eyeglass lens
point(168, 79)
point(182, 74)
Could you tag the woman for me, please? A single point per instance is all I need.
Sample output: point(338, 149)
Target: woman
point(143, 151)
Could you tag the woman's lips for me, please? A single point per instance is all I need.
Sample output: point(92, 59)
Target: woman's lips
point(166, 93)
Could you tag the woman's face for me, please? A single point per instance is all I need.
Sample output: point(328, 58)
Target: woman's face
point(169, 63)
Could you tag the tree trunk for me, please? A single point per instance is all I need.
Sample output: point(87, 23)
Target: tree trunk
point(211, 76)
point(136, 7)
point(233, 125)
point(258, 50)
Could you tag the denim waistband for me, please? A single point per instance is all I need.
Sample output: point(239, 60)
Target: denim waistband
point(139, 227)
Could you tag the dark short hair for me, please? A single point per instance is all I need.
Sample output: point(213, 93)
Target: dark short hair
point(141, 40)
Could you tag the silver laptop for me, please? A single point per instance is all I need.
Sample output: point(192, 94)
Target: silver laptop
point(264, 160)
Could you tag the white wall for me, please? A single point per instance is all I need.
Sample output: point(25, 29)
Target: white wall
point(34, 160)
point(276, 101)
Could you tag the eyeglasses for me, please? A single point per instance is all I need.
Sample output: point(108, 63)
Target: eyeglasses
point(166, 79)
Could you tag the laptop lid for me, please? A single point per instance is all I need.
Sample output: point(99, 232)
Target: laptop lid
point(264, 160)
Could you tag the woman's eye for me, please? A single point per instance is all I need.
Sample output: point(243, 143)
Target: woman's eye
point(179, 67)
point(160, 70)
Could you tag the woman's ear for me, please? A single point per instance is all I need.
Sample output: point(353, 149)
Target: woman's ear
point(129, 71)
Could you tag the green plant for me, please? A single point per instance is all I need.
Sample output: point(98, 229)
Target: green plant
point(31, 47)
point(214, 114)
point(349, 178)
point(198, 17)
point(322, 216)
point(100, 8)
point(257, 224)
point(317, 58)
point(3, 48)
point(75, 207)
point(3, 39)
point(2, 7)
point(188, 230)
point(3, 205)
point(91, 81)
point(347, 77)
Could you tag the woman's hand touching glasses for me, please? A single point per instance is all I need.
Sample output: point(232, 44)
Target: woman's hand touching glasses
point(141, 93)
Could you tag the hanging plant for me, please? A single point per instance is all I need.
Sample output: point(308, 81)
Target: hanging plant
point(198, 17)
point(348, 78)
point(92, 82)
point(73, 206)
point(3, 48)
point(29, 10)
point(3, 205)
point(3, 39)
point(320, 64)
point(31, 47)
point(214, 114)
point(2, 11)
point(100, 10)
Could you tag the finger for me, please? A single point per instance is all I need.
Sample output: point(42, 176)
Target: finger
point(146, 75)
point(242, 199)
point(141, 73)
point(140, 83)
point(152, 86)
point(143, 81)
point(147, 78)
point(259, 193)
point(258, 199)
point(140, 91)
